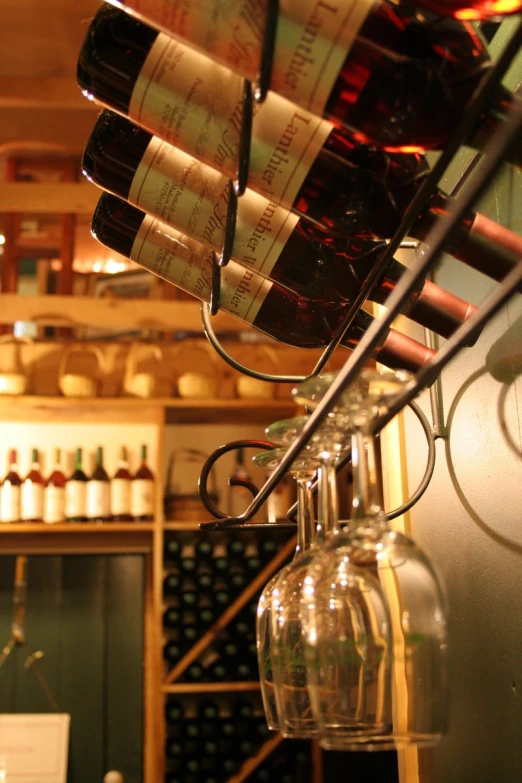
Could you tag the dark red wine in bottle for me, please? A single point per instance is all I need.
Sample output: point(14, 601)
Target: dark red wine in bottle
point(99, 492)
point(121, 490)
point(143, 491)
point(351, 191)
point(391, 75)
point(54, 492)
point(131, 163)
point(32, 499)
point(76, 492)
point(266, 305)
point(10, 491)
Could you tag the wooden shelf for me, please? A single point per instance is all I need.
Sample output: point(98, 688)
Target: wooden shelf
point(177, 409)
point(251, 764)
point(211, 687)
point(70, 538)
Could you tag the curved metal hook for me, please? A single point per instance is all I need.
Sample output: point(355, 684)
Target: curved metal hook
point(207, 467)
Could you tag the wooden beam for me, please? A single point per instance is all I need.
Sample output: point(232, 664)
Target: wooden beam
point(65, 197)
point(23, 92)
point(81, 311)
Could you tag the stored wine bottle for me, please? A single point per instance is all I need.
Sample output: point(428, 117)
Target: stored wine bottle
point(174, 711)
point(76, 493)
point(54, 493)
point(172, 652)
point(172, 617)
point(172, 584)
point(393, 76)
point(204, 551)
point(121, 490)
point(32, 495)
point(266, 305)
point(143, 491)
point(99, 492)
point(172, 549)
point(10, 491)
point(166, 183)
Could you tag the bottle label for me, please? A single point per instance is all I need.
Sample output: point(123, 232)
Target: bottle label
point(194, 198)
point(54, 504)
point(75, 499)
point(98, 499)
point(32, 500)
point(9, 502)
point(120, 496)
point(313, 38)
point(142, 498)
point(188, 265)
point(195, 104)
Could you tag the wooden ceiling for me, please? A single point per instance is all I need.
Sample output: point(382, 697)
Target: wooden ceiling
point(40, 103)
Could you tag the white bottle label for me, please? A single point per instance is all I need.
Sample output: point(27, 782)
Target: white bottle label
point(120, 496)
point(75, 499)
point(9, 502)
point(312, 41)
point(32, 500)
point(142, 498)
point(188, 265)
point(98, 499)
point(195, 104)
point(54, 504)
point(194, 198)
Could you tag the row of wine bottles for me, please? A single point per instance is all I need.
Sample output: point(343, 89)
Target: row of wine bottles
point(205, 555)
point(321, 203)
point(78, 498)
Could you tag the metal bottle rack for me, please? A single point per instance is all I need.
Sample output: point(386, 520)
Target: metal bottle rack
point(471, 186)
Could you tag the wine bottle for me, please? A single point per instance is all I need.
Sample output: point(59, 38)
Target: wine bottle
point(236, 547)
point(188, 565)
point(99, 492)
point(268, 306)
point(208, 710)
point(32, 495)
point(204, 551)
point(143, 491)
point(172, 618)
point(194, 672)
point(172, 652)
point(189, 634)
point(172, 549)
point(172, 584)
point(189, 598)
point(394, 77)
point(76, 493)
point(206, 617)
point(10, 491)
point(174, 711)
point(204, 581)
point(54, 493)
point(297, 252)
point(121, 490)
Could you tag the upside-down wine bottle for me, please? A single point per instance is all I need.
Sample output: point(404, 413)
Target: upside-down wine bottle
point(253, 299)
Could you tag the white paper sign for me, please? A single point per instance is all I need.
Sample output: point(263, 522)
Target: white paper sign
point(34, 748)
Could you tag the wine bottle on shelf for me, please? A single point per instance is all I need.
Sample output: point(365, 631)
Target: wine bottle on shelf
point(236, 547)
point(189, 634)
point(54, 492)
point(172, 549)
point(172, 617)
point(121, 490)
point(208, 710)
point(76, 492)
point(32, 494)
point(172, 652)
point(206, 617)
point(347, 202)
point(394, 77)
point(204, 551)
point(172, 584)
point(204, 581)
point(143, 491)
point(188, 565)
point(99, 492)
point(194, 673)
point(266, 305)
point(174, 711)
point(10, 494)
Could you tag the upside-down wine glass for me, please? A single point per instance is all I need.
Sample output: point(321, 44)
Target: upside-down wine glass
point(303, 469)
point(411, 694)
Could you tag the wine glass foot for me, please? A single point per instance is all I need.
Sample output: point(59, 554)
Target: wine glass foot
point(377, 743)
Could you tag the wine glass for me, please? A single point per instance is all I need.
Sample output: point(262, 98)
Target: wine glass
point(303, 470)
point(413, 689)
point(362, 625)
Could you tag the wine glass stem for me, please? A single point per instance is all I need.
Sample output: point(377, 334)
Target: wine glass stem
point(328, 504)
point(305, 514)
point(366, 493)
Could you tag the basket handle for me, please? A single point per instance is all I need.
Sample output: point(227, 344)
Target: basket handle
point(186, 345)
point(70, 349)
point(131, 362)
